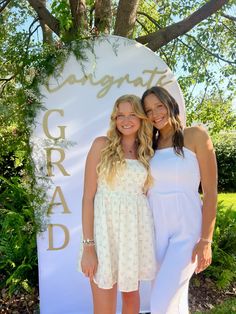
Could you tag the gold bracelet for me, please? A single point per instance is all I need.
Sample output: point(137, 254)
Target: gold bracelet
point(206, 240)
point(88, 242)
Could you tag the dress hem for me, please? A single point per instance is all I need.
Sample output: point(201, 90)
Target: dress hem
point(120, 289)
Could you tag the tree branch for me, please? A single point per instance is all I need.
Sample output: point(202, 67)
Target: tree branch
point(143, 26)
point(46, 16)
point(126, 17)
point(209, 52)
point(229, 17)
point(229, 29)
point(161, 37)
point(6, 79)
point(204, 48)
point(31, 32)
point(3, 83)
point(150, 18)
point(3, 4)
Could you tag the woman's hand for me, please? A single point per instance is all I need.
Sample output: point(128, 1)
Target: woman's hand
point(89, 261)
point(202, 251)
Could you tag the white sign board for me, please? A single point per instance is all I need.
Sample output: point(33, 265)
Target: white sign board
point(78, 104)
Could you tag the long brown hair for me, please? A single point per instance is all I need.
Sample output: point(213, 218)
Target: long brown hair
point(173, 111)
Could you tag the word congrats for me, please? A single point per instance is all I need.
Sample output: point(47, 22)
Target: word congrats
point(154, 77)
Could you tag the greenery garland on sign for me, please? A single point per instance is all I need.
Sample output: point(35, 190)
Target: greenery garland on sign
point(23, 202)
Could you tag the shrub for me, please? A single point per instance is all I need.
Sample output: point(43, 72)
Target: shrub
point(223, 268)
point(225, 146)
point(18, 228)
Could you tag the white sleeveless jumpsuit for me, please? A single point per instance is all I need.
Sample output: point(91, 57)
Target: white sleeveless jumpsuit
point(177, 213)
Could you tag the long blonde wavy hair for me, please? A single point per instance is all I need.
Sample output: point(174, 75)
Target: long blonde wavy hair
point(112, 156)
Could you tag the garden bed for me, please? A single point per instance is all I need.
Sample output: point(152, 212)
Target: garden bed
point(203, 296)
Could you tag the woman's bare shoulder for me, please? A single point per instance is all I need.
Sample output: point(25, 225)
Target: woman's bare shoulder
point(99, 143)
point(195, 130)
point(101, 140)
point(96, 148)
point(195, 136)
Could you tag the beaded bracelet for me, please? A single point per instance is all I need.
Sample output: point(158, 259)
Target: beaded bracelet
point(206, 240)
point(88, 242)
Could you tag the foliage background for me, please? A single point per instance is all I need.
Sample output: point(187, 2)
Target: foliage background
point(203, 62)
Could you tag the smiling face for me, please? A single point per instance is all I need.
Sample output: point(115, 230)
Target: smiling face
point(156, 111)
point(127, 122)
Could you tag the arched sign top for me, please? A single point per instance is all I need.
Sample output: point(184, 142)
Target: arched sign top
point(114, 64)
point(78, 105)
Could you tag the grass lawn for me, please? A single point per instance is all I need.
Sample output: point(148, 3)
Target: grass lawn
point(227, 307)
point(229, 199)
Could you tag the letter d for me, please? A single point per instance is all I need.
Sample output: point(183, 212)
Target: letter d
point(51, 232)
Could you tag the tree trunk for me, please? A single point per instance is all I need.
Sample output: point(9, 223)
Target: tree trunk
point(78, 13)
point(126, 17)
point(47, 32)
point(103, 16)
point(46, 16)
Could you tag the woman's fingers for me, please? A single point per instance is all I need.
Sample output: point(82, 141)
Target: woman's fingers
point(207, 263)
point(201, 251)
point(90, 274)
point(89, 271)
point(202, 264)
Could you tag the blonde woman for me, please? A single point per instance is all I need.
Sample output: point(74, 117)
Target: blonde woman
point(118, 248)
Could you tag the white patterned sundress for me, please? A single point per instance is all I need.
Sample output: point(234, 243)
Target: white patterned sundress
point(124, 231)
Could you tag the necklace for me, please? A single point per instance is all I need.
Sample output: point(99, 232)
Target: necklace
point(131, 151)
